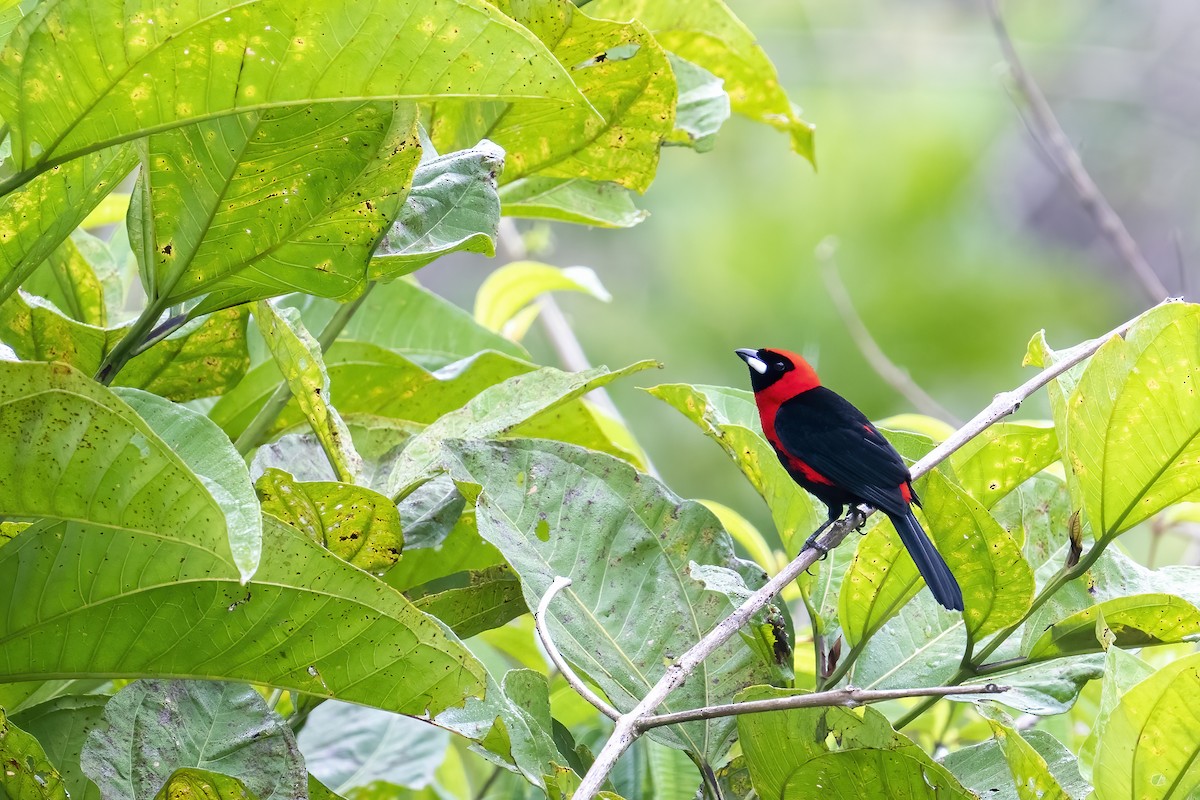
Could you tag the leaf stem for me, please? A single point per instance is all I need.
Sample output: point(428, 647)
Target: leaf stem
point(844, 665)
point(266, 416)
point(133, 342)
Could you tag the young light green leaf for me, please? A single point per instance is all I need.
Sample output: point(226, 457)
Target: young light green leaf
point(36, 218)
point(600, 203)
point(138, 68)
point(1029, 772)
point(294, 199)
point(533, 499)
point(492, 598)
point(68, 281)
point(1138, 620)
point(702, 108)
point(153, 728)
point(619, 68)
point(355, 523)
point(188, 783)
point(1122, 671)
point(1002, 458)
point(27, 773)
point(213, 459)
point(499, 410)
point(1134, 423)
point(197, 620)
point(729, 417)
point(349, 747)
point(61, 726)
point(452, 206)
point(515, 285)
point(708, 34)
point(1151, 745)
point(298, 356)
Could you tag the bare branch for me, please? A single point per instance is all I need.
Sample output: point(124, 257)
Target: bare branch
point(1068, 160)
point(626, 729)
point(543, 631)
point(897, 378)
point(848, 697)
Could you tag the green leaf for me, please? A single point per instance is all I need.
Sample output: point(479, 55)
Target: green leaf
point(854, 774)
point(1135, 621)
point(983, 768)
point(600, 203)
point(35, 219)
point(87, 456)
point(137, 68)
point(708, 34)
point(783, 747)
point(298, 356)
point(996, 581)
point(511, 723)
point(619, 68)
point(200, 784)
point(153, 728)
point(1037, 690)
point(1122, 671)
point(350, 748)
point(37, 331)
point(196, 619)
point(1030, 773)
point(512, 287)
point(1134, 423)
point(212, 458)
point(356, 524)
point(702, 108)
point(1002, 458)
point(497, 411)
point(452, 206)
point(295, 199)
point(922, 646)
point(61, 726)
point(69, 281)
point(27, 773)
point(534, 498)
point(491, 599)
point(673, 776)
point(459, 549)
point(729, 417)
point(1151, 745)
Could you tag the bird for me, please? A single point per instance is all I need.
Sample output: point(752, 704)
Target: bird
point(834, 452)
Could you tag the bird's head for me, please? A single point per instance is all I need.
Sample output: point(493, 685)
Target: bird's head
point(781, 372)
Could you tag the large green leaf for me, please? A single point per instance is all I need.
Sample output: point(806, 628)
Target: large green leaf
point(61, 726)
point(1151, 745)
point(153, 728)
point(1134, 423)
point(349, 748)
point(854, 774)
point(452, 206)
point(132, 68)
point(497, 411)
point(1138, 620)
point(491, 598)
point(997, 583)
point(534, 499)
point(1002, 458)
point(1122, 671)
point(27, 774)
point(196, 619)
point(70, 282)
point(35, 219)
point(599, 203)
point(1030, 773)
point(292, 199)
point(619, 68)
point(707, 33)
point(201, 784)
point(984, 768)
point(299, 358)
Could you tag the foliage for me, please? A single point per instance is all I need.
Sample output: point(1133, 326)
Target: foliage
point(256, 479)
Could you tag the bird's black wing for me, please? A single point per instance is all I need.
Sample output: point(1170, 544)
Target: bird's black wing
point(834, 438)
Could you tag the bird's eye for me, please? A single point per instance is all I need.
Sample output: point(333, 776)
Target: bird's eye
point(779, 366)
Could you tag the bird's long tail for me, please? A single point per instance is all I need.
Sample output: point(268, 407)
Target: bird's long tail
point(929, 561)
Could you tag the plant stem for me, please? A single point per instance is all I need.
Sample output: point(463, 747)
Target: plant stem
point(131, 343)
point(844, 665)
point(928, 703)
point(266, 416)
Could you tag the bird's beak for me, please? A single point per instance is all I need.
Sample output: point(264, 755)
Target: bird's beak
point(752, 360)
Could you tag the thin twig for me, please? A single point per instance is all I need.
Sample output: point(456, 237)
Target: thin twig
point(895, 377)
point(562, 337)
point(1059, 146)
point(848, 697)
point(626, 730)
point(543, 631)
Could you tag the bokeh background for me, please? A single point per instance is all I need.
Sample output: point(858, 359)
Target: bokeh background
point(958, 239)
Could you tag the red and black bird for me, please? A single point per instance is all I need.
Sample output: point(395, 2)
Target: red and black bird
point(833, 451)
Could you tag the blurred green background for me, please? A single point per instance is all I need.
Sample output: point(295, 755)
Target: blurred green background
point(958, 239)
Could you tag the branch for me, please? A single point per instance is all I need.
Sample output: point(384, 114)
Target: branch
point(626, 729)
point(543, 631)
point(1071, 165)
point(848, 697)
point(895, 377)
